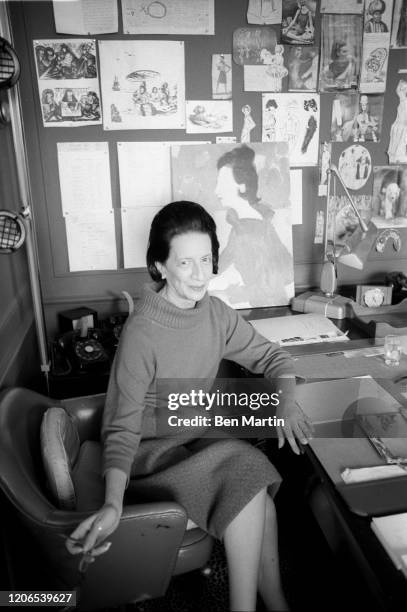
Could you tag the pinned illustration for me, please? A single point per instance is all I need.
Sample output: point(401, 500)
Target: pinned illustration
point(355, 166)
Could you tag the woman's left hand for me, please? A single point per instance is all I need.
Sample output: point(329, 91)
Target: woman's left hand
point(297, 427)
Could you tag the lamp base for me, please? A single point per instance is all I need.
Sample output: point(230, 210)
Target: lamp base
point(334, 307)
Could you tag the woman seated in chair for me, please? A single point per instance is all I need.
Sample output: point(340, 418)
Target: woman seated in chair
point(179, 333)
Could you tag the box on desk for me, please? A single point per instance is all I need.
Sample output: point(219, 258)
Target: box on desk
point(335, 307)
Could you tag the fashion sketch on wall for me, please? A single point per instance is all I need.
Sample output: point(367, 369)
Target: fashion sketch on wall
point(143, 84)
point(293, 118)
point(222, 76)
point(341, 47)
point(398, 132)
point(356, 117)
point(271, 75)
point(247, 190)
point(389, 196)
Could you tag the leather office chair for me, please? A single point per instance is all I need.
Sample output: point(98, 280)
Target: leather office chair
point(150, 545)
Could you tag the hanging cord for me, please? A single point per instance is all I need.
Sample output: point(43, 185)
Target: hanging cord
point(85, 561)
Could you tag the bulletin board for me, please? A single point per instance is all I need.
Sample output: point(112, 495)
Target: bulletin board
point(64, 289)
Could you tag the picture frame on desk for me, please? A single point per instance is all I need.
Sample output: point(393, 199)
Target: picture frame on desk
point(373, 296)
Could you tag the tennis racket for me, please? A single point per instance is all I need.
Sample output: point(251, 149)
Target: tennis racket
point(12, 231)
point(9, 65)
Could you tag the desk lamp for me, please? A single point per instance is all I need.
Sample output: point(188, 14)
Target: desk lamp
point(353, 254)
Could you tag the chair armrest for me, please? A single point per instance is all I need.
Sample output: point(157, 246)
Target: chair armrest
point(141, 559)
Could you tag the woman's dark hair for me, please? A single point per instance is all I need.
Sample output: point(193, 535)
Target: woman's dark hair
point(336, 47)
point(241, 160)
point(175, 219)
point(310, 104)
point(272, 103)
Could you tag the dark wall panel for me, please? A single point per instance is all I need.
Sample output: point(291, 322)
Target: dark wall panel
point(62, 289)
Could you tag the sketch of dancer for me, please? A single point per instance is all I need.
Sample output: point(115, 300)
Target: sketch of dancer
point(292, 125)
point(270, 121)
point(248, 123)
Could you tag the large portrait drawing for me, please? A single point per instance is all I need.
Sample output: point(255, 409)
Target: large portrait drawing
point(247, 190)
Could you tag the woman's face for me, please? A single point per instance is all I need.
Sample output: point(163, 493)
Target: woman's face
point(227, 189)
point(188, 269)
point(343, 52)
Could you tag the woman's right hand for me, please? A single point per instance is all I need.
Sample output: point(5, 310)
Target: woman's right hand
point(90, 535)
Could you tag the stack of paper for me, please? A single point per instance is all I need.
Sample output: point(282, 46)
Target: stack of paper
point(299, 329)
point(392, 532)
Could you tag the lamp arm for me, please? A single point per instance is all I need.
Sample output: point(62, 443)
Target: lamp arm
point(333, 169)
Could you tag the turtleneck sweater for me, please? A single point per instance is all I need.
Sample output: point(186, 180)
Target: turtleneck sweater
point(162, 341)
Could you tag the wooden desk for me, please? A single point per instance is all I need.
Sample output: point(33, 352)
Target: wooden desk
point(342, 511)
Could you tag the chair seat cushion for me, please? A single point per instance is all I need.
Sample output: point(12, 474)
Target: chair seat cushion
point(73, 470)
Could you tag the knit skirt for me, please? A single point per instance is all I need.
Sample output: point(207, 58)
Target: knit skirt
point(213, 479)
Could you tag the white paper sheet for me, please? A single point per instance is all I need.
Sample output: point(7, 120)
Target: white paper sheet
point(145, 172)
point(136, 223)
point(84, 176)
point(85, 16)
point(168, 17)
point(143, 84)
point(342, 6)
point(375, 59)
point(91, 240)
point(299, 329)
point(264, 12)
point(296, 196)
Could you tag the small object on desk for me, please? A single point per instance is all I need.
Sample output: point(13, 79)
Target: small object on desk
point(299, 329)
point(391, 531)
point(375, 472)
point(392, 350)
point(373, 296)
point(382, 320)
point(335, 306)
point(387, 432)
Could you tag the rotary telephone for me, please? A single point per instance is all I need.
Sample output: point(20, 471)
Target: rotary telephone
point(72, 351)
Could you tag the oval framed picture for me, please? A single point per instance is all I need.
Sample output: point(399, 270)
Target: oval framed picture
point(355, 166)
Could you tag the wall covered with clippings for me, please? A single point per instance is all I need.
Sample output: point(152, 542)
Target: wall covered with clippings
point(87, 103)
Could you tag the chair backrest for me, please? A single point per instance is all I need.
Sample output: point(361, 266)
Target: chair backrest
point(22, 477)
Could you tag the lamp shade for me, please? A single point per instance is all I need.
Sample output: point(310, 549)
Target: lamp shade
point(357, 249)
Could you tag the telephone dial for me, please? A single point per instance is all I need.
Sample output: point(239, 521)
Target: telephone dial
point(74, 352)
